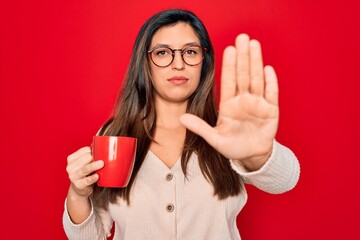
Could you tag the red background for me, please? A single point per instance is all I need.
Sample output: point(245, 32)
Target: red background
point(61, 65)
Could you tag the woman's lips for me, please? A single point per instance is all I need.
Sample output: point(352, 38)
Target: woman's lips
point(178, 80)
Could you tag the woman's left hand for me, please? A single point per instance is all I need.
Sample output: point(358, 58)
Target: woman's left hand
point(248, 112)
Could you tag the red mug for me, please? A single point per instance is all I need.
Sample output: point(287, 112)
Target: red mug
point(118, 154)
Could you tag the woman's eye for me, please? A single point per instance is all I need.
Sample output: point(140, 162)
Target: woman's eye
point(161, 52)
point(190, 52)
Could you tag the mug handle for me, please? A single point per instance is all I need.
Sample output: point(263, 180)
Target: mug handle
point(92, 147)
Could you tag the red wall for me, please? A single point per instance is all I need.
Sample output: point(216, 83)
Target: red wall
point(62, 62)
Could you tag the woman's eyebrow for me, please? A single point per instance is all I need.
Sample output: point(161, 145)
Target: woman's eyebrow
point(169, 46)
point(161, 45)
point(191, 44)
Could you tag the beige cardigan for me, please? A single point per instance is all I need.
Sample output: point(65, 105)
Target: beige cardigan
point(165, 205)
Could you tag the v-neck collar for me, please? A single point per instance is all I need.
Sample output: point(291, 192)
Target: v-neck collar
point(154, 170)
point(175, 167)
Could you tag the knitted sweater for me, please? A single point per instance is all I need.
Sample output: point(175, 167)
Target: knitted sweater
point(167, 205)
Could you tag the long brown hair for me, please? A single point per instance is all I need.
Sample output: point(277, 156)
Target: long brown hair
point(134, 113)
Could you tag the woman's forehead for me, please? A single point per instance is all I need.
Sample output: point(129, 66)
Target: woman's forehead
point(177, 35)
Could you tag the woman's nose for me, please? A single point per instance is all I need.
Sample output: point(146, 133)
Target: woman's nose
point(178, 62)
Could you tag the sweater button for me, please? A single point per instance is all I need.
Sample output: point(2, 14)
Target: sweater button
point(170, 207)
point(169, 177)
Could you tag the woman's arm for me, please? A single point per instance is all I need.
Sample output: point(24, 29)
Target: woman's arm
point(81, 220)
point(279, 174)
point(248, 119)
point(96, 226)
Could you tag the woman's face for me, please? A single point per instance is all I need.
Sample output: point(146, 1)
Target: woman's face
point(176, 82)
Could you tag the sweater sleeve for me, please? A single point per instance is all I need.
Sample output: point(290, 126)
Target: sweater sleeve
point(279, 174)
point(97, 226)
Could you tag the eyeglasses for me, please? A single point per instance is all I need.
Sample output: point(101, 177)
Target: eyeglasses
point(164, 56)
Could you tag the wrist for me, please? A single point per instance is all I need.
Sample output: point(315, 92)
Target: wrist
point(78, 207)
point(254, 163)
point(74, 196)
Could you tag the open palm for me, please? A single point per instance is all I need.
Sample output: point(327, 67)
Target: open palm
point(248, 112)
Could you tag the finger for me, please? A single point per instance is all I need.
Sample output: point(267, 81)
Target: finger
point(256, 68)
point(228, 75)
point(242, 63)
point(199, 127)
point(271, 86)
point(75, 164)
point(87, 181)
point(88, 169)
point(72, 157)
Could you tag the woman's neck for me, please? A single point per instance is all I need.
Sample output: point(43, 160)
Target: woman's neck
point(168, 113)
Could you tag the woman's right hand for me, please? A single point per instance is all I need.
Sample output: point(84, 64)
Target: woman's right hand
point(81, 168)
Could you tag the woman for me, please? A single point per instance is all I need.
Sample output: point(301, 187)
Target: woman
point(192, 160)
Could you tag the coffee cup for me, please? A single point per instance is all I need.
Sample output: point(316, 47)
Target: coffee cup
point(118, 154)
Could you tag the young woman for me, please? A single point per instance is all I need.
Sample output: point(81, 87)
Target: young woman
point(192, 158)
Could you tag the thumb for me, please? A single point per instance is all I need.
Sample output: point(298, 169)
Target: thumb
point(199, 127)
